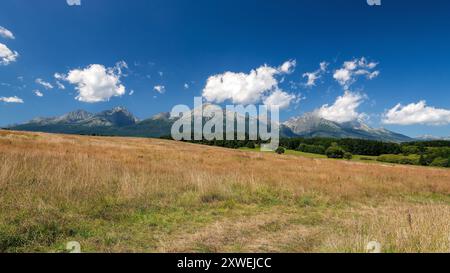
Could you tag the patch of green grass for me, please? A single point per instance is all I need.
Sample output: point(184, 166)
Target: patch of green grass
point(357, 158)
point(212, 197)
point(307, 201)
point(365, 158)
point(308, 155)
point(272, 226)
point(39, 233)
point(288, 152)
point(204, 248)
point(426, 198)
point(309, 217)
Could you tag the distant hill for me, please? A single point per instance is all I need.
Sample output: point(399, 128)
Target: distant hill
point(117, 122)
point(310, 125)
point(120, 122)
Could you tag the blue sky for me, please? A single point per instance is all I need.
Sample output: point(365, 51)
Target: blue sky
point(396, 53)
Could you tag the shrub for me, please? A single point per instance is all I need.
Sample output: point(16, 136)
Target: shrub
point(280, 151)
point(301, 148)
point(400, 159)
point(423, 161)
point(312, 149)
point(408, 150)
point(389, 159)
point(251, 145)
point(408, 161)
point(348, 156)
point(335, 152)
point(440, 162)
point(433, 153)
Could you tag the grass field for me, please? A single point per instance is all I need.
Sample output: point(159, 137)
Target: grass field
point(309, 155)
point(149, 195)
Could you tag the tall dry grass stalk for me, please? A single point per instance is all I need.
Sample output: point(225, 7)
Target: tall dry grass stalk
point(127, 194)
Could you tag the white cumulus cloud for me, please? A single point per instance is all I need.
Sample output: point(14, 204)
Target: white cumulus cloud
point(417, 113)
point(7, 56)
point(73, 2)
point(45, 84)
point(279, 98)
point(350, 70)
point(288, 67)
point(343, 76)
point(14, 99)
point(95, 83)
point(260, 85)
point(344, 108)
point(5, 33)
point(60, 85)
point(160, 89)
point(38, 93)
point(59, 76)
point(316, 75)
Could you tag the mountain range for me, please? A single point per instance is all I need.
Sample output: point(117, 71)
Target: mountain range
point(310, 125)
point(432, 138)
point(120, 122)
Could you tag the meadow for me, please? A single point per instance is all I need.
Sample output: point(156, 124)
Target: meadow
point(151, 195)
point(360, 158)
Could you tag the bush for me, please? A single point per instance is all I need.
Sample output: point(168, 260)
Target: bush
point(409, 161)
point(440, 162)
point(408, 150)
point(312, 149)
point(348, 156)
point(280, 151)
point(251, 145)
point(423, 161)
point(335, 152)
point(400, 159)
point(433, 153)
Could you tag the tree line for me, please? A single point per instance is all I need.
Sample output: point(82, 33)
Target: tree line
point(425, 153)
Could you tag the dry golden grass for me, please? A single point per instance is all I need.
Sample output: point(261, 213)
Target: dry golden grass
point(148, 195)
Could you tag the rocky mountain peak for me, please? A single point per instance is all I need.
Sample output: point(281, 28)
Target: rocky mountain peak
point(311, 125)
point(75, 116)
point(161, 116)
point(118, 116)
point(122, 122)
